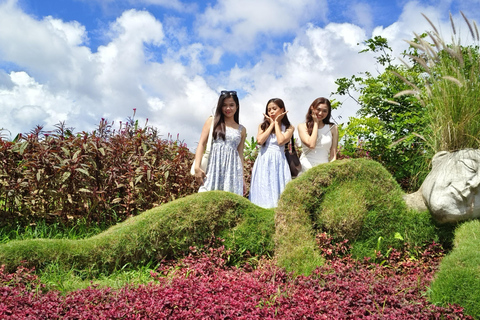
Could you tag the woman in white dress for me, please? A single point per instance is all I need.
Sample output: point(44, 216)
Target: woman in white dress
point(271, 172)
point(225, 164)
point(318, 135)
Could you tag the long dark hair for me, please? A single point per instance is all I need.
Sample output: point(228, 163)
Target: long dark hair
point(281, 105)
point(314, 105)
point(219, 120)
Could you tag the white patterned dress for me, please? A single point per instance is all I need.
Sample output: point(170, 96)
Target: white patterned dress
point(270, 174)
point(224, 169)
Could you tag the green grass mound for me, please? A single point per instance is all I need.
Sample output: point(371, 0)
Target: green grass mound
point(458, 280)
point(165, 232)
point(350, 199)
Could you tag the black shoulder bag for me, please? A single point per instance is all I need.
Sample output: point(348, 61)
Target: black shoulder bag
point(292, 159)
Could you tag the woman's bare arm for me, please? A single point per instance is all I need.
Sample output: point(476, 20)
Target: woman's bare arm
point(202, 145)
point(334, 147)
point(309, 140)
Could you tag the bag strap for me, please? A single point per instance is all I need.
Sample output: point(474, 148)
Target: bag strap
point(293, 144)
point(209, 141)
point(288, 144)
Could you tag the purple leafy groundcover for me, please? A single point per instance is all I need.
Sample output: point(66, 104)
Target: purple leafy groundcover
point(202, 286)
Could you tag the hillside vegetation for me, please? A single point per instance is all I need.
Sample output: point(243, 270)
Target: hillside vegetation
point(354, 199)
point(164, 232)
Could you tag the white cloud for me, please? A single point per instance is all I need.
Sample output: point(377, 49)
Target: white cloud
point(155, 104)
point(236, 25)
point(360, 14)
point(30, 104)
point(133, 28)
point(64, 80)
point(412, 21)
point(58, 77)
point(29, 115)
point(73, 33)
point(306, 70)
point(36, 45)
point(5, 81)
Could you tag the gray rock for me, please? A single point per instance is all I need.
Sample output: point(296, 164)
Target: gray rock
point(451, 189)
point(415, 201)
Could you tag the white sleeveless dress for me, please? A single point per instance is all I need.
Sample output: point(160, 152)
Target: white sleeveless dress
point(270, 174)
point(312, 157)
point(225, 170)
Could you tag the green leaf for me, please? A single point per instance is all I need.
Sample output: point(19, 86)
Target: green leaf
point(398, 236)
point(76, 154)
point(85, 172)
point(65, 176)
point(66, 151)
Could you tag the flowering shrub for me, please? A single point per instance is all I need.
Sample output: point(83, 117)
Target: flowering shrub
point(202, 286)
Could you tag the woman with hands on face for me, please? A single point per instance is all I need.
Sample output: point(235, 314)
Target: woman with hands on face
point(271, 172)
point(319, 136)
point(225, 164)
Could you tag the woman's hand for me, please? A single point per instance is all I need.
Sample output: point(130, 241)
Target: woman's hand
point(315, 117)
point(200, 176)
point(270, 120)
point(279, 118)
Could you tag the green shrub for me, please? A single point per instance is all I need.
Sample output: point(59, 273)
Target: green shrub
point(354, 199)
point(386, 129)
point(165, 232)
point(458, 280)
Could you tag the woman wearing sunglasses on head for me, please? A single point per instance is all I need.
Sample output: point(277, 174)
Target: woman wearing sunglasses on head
point(271, 172)
point(225, 164)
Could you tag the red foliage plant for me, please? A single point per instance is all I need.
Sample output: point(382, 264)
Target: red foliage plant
point(202, 286)
point(106, 175)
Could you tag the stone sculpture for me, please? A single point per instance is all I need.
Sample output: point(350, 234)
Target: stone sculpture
point(451, 189)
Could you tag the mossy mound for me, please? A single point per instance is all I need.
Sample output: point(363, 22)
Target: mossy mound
point(350, 199)
point(165, 232)
point(458, 280)
point(354, 199)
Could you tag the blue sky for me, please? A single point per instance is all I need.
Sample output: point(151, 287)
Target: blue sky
point(82, 60)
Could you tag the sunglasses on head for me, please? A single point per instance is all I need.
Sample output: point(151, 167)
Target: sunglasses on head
point(232, 93)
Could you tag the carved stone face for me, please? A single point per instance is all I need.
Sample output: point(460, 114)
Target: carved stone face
point(451, 189)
